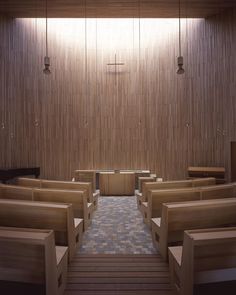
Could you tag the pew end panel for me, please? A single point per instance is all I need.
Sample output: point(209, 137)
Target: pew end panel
point(29, 256)
point(88, 176)
point(142, 180)
point(139, 199)
point(207, 256)
point(95, 199)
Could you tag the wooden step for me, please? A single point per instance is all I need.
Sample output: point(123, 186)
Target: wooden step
point(103, 274)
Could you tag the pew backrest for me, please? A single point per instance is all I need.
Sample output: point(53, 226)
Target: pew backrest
point(157, 197)
point(218, 191)
point(76, 198)
point(16, 192)
point(147, 186)
point(70, 185)
point(196, 214)
point(203, 181)
point(28, 182)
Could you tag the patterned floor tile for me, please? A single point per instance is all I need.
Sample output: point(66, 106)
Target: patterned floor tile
point(117, 228)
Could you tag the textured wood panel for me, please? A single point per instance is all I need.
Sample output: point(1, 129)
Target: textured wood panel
point(114, 8)
point(86, 116)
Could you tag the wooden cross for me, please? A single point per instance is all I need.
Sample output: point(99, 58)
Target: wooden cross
point(116, 64)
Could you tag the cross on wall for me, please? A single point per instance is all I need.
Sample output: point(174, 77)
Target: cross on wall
point(116, 64)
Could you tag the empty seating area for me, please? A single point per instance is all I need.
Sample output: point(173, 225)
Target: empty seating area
point(195, 220)
point(42, 221)
point(48, 218)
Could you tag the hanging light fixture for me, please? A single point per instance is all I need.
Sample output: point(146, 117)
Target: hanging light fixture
point(46, 69)
point(180, 59)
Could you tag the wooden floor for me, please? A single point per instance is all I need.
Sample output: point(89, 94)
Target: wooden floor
point(104, 274)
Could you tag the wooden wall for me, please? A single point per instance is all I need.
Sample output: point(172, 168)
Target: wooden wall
point(86, 115)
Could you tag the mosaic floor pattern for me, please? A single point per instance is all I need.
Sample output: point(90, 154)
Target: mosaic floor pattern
point(117, 228)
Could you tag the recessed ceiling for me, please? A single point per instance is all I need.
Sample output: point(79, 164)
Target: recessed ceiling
point(114, 8)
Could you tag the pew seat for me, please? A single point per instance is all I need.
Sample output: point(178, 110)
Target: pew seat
point(207, 256)
point(42, 215)
point(30, 257)
point(181, 216)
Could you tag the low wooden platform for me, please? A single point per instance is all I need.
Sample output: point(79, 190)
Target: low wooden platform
point(108, 274)
point(118, 275)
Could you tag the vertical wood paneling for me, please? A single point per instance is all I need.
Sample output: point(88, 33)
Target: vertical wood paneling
point(84, 116)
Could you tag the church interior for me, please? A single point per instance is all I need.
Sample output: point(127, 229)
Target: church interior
point(118, 147)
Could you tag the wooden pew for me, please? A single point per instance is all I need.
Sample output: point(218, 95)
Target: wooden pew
point(71, 185)
point(78, 199)
point(207, 256)
point(16, 192)
point(153, 207)
point(160, 186)
point(147, 186)
point(58, 217)
point(29, 258)
point(177, 217)
point(66, 185)
point(156, 198)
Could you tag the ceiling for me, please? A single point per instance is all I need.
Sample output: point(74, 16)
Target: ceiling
point(114, 8)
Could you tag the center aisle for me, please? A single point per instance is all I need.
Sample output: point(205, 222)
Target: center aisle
point(117, 256)
point(117, 228)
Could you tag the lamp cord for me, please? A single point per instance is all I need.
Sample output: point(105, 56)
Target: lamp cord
point(46, 27)
point(179, 29)
point(139, 25)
